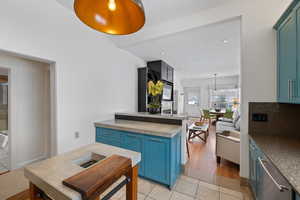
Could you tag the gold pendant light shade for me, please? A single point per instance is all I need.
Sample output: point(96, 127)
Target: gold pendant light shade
point(117, 17)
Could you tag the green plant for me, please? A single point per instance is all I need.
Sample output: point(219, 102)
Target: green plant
point(154, 91)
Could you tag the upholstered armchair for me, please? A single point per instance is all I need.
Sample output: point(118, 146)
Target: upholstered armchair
point(228, 146)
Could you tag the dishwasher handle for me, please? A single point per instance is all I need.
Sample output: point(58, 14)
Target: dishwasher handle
point(281, 188)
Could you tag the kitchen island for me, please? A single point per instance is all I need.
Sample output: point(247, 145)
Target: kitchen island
point(171, 119)
point(49, 174)
point(158, 143)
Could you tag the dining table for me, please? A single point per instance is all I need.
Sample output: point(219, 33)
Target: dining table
point(217, 112)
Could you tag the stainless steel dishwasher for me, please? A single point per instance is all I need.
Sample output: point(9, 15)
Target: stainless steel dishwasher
point(272, 185)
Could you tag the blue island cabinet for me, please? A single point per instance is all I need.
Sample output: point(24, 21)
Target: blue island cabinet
point(161, 156)
point(135, 143)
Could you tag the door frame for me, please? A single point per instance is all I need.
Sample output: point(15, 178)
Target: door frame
point(52, 145)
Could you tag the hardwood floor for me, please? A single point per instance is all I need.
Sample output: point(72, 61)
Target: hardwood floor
point(1, 173)
point(202, 164)
point(20, 196)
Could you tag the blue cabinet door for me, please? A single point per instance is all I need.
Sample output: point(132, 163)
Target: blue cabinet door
point(259, 175)
point(134, 142)
point(296, 84)
point(287, 59)
point(157, 156)
point(175, 168)
point(252, 168)
point(297, 196)
point(178, 154)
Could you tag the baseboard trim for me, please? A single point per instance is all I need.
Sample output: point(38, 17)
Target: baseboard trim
point(22, 164)
point(244, 181)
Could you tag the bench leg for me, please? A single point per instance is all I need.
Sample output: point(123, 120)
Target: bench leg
point(34, 192)
point(131, 187)
point(218, 159)
point(187, 148)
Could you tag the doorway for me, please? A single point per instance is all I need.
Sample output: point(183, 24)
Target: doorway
point(30, 109)
point(4, 154)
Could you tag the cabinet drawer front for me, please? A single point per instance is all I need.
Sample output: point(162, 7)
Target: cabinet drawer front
point(109, 134)
point(157, 159)
point(133, 142)
point(109, 142)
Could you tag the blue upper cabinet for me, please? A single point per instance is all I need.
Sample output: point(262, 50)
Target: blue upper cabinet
point(288, 49)
point(297, 82)
point(287, 59)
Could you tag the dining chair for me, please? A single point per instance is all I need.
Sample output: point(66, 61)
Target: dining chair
point(228, 114)
point(201, 114)
point(208, 116)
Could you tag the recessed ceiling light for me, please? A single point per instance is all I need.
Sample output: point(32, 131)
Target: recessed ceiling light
point(225, 41)
point(162, 53)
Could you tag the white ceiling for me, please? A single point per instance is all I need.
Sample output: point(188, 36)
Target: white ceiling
point(158, 11)
point(198, 52)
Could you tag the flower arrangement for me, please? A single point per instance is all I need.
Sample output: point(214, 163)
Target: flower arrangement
point(154, 91)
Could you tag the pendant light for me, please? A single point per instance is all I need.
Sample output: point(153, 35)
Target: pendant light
point(116, 17)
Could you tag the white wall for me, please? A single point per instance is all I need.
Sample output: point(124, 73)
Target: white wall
point(258, 65)
point(94, 79)
point(29, 108)
point(179, 88)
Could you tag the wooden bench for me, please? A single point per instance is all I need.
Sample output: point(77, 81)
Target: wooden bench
point(197, 131)
point(93, 181)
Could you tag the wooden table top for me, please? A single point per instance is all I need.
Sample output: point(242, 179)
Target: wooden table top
point(213, 111)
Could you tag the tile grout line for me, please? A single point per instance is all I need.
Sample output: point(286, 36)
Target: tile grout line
point(147, 195)
point(195, 197)
point(198, 185)
point(219, 189)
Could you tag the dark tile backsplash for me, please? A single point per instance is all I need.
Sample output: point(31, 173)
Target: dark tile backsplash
point(282, 119)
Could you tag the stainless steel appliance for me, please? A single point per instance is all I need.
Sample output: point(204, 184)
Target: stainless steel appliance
point(273, 185)
point(167, 92)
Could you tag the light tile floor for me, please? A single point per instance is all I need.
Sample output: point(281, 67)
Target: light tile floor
point(186, 188)
point(12, 183)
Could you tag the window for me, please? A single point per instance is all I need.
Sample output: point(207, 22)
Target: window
point(225, 98)
point(193, 100)
point(193, 96)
